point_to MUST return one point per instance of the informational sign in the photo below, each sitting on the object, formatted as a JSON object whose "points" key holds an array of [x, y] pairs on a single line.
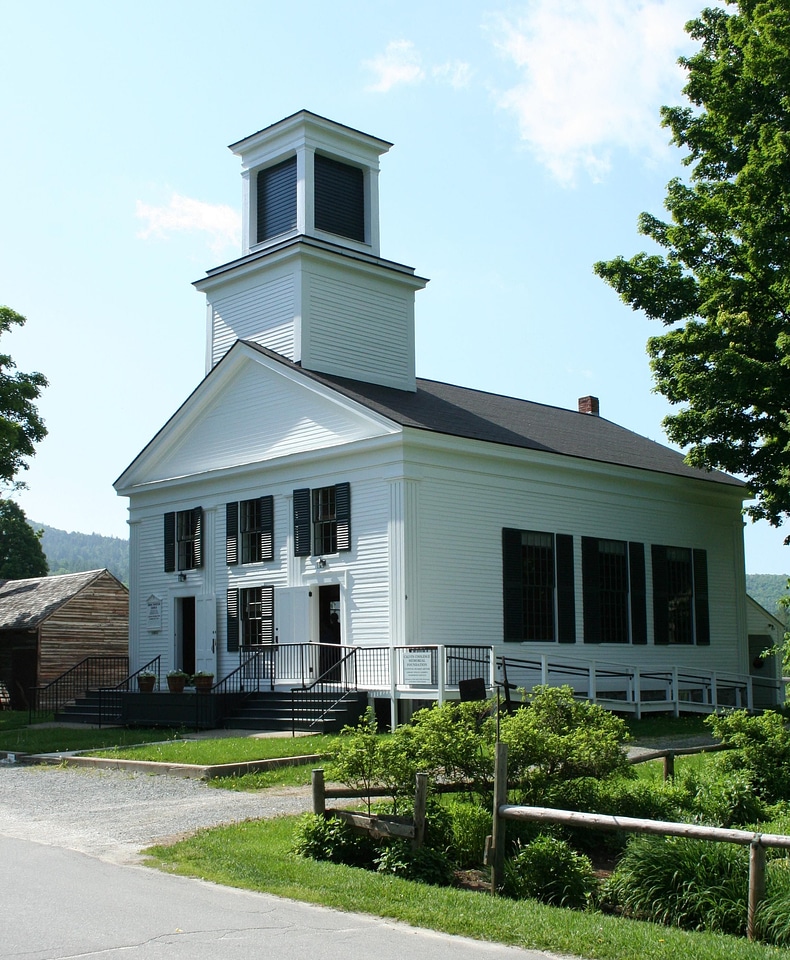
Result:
{"points": [[154, 613], [417, 667]]}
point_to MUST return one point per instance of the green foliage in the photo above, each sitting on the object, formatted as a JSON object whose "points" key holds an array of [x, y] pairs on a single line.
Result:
{"points": [[723, 277], [694, 884], [761, 750], [773, 915], [76, 552], [723, 797], [768, 589], [556, 737], [21, 427], [332, 839], [21, 556], [470, 824], [450, 743], [425, 864], [549, 870]]}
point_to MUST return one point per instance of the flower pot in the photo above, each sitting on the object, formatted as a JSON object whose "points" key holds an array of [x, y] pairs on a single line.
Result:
{"points": [[146, 684], [176, 684], [203, 684]]}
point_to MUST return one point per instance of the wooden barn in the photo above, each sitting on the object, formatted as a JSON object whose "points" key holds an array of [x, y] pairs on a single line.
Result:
{"points": [[49, 624]]}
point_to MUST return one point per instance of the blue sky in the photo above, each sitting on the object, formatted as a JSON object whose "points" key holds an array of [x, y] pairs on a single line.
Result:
{"points": [[526, 142]]}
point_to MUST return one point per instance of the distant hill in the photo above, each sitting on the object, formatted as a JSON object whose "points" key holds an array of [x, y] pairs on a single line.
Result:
{"points": [[766, 589], [75, 552]]}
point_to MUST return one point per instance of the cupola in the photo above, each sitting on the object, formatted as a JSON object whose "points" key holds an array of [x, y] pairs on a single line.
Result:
{"points": [[311, 284]]}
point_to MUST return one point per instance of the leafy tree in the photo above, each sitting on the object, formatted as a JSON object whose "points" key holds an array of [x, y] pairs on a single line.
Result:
{"points": [[723, 280], [20, 424], [21, 554]]}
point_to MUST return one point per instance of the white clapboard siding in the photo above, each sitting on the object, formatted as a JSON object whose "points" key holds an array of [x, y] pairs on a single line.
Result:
{"points": [[264, 313]]}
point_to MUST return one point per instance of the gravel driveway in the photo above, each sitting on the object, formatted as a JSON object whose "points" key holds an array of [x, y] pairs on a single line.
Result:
{"points": [[113, 815]]}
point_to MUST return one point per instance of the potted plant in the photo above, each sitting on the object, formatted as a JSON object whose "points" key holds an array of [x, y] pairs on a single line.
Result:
{"points": [[176, 681], [146, 681], [203, 681]]}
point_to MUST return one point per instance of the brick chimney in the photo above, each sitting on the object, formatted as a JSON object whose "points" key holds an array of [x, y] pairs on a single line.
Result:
{"points": [[588, 405]]}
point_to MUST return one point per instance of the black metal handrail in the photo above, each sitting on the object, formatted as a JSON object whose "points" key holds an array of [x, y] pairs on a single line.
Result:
{"points": [[89, 674], [110, 701], [334, 684]]}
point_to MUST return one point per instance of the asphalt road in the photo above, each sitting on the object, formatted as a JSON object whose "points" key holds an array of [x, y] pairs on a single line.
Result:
{"points": [[70, 887]]}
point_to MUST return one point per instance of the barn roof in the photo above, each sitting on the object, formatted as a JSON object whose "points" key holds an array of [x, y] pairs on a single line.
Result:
{"points": [[25, 604]]}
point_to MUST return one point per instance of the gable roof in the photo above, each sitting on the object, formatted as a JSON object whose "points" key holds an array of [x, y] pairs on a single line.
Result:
{"points": [[25, 604], [476, 415]]}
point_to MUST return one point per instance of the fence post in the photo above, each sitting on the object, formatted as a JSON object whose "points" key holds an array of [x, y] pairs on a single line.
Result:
{"points": [[497, 849], [319, 797], [420, 798], [756, 883], [669, 766]]}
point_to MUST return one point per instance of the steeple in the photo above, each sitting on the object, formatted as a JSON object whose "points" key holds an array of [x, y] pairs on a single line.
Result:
{"points": [[311, 284]]}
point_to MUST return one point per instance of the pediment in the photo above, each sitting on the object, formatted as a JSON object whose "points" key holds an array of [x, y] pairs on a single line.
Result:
{"points": [[250, 409]]}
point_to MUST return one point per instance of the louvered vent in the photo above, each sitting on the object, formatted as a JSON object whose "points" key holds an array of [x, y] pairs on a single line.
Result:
{"points": [[339, 199], [277, 200]]}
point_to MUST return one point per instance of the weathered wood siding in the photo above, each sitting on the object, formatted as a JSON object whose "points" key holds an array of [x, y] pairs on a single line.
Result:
{"points": [[93, 623]]}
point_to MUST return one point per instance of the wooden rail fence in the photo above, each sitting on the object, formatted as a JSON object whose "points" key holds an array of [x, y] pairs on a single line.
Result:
{"points": [[757, 842]]}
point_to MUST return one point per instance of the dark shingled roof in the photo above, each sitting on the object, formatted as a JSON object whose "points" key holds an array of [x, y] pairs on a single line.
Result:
{"points": [[24, 604], [477, 415]]}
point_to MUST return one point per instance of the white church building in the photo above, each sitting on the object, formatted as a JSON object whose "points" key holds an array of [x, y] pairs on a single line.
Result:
{"points": [[313, 495]]}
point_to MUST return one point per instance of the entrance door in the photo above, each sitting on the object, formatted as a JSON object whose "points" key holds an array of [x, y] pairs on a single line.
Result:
{"points": [[329, 630], [185, 634], [206, 635]]}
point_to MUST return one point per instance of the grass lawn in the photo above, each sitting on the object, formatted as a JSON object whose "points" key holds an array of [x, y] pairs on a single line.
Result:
{"points": [[17, 737], [256, 855], [221, 750], [660, 726]]}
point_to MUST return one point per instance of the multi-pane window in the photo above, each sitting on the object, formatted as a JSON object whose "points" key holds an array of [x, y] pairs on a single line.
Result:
{"points": [[249, 526], [322, 520], [539, 602], [680, 595], [183, 548], [250, 616], [613, 574]]}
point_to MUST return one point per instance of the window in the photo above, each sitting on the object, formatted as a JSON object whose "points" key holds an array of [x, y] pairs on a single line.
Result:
{"points": [[183, 547], [322, 520], [539, 602], [339, 198], [680, 595], [250, 615], [249, 524], [613, 574], [276, 211]]}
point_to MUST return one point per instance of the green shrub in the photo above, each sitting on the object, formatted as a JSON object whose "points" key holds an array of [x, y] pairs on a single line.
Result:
{"points": [[694, 884], [549, 870], [557, 737], [425, 864], [724, 797], [761, 750], [470, 824], [773, 915], [332, 839]]}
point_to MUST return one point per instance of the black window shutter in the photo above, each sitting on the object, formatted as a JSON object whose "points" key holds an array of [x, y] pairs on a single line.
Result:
{"points": [[591, 590], [267, 614], [660, 595], [170, 542], [339, 198], [343, 515], [197, 526], [276, 199], [701, 615], [566, 591], [233, 619], [638, 592], [512, 586], [267, 528], [302, 522], [232, 532]]}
